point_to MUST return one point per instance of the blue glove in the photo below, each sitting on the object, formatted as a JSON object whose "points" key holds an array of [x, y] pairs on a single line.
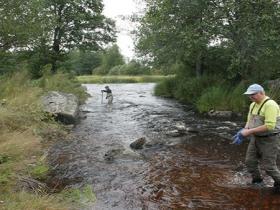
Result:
{"points": [[238, 138]]}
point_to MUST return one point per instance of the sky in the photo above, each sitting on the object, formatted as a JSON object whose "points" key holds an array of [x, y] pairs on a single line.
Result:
{"points": [[115, 9]]}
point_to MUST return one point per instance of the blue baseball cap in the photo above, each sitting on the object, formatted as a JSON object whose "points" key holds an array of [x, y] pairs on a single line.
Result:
{"points": [[254, 88]]}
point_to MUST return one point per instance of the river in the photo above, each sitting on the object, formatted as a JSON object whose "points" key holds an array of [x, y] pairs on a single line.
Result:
{"points": [[186, 163]]}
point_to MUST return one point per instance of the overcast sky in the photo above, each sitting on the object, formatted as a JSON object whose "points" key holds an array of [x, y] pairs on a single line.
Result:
{"points": [[115, 9]]}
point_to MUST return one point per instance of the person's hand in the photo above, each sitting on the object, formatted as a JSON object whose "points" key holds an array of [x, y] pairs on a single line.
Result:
{"points": [[238, 137], [246, 132]]}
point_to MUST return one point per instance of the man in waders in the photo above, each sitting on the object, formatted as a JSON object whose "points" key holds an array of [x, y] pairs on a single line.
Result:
{"points": [[262, 128], [109, 95]]}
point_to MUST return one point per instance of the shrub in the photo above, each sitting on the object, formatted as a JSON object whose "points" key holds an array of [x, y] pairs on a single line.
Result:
{"points": [[213, 98], [237, 101], [65, 82], [223, 98], [166, 88], [189, 89]]}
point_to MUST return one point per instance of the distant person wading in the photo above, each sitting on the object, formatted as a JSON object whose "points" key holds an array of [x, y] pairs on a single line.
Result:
{"points": [[109, 95]]}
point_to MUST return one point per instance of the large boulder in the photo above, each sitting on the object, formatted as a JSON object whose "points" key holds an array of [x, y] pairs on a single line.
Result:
{"points": [[63, 106]]}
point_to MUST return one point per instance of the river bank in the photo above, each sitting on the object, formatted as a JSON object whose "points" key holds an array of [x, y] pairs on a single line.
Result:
{"points": [[26, 133]]}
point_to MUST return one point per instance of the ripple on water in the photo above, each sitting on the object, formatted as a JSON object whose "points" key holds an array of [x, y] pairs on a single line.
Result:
{"points": [[198, 170]]}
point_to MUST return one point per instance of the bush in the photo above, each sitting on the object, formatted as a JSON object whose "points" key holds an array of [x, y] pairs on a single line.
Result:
{"points": [[132, 68], [214, 98], [223, 98], [65, 82], [40, 171], [116, 70], [189, 90], [21, 107], [166, 88], [237, 101]]}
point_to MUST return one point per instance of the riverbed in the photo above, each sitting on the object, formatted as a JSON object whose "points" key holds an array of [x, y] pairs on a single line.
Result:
{"points": [[187, 162]]}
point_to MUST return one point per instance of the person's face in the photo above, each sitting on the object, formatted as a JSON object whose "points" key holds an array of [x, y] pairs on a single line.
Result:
{"points": [[256, 97]]}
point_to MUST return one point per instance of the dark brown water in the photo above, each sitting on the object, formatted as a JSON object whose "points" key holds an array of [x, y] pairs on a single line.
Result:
{"points": [[199, 169]]}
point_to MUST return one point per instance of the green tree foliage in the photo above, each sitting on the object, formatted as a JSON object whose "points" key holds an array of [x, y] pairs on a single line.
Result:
{"points": [[20, 24], [177, 30], [232, 38], [250, 29], [78, 24], [109, 59], [82, 62], [20, 29], [131, 68], [46, 30]]}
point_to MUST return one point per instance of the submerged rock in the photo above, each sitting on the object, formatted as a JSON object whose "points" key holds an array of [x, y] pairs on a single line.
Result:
{"points": [[113, 153], [223, 114], [62, 105], [138, 144], [174, 133]]}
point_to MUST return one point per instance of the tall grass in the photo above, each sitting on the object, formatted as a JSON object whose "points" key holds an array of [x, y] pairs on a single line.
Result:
{"points": [[214, 98], [20, 107], [67, 83], [121, 79], [223, 98], [23, 127], [274, 91], [26, 201], [206, 93], [166, 88]]}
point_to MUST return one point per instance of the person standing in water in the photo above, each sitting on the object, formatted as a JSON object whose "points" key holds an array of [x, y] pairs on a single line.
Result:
{"points": [[263, 129], [109, 95]]}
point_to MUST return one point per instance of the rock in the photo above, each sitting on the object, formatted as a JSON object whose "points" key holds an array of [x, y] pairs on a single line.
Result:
{"points": [[174, 133], [113, 153], [192, 130], [231, 123], [138, 144], [224, 114], [3, 102], [62, 105], [181, 127], [223, 128]]}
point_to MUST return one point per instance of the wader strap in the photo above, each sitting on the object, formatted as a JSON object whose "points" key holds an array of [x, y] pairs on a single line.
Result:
{"points": [[260, 107]]}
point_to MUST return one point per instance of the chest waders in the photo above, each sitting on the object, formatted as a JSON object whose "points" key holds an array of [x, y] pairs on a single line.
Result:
{"points": [[110, 98], [263, 146], [256, 120]]}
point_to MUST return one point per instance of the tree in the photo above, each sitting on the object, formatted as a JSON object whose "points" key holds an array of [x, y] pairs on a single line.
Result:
{"points": [[49, 29], [82, 62], [251, 30], [110, 58], [20, 24], [78, 24], [187, 30], [177, 30]]}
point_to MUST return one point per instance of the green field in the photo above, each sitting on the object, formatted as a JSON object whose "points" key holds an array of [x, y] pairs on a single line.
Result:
{"points": [[121, 79]]}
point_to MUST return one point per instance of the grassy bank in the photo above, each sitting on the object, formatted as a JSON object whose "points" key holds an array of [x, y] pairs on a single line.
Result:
{"points": [[25, 134], [121, 79], [205, 93]]}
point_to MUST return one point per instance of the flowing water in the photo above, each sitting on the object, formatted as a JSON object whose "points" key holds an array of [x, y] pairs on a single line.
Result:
{"points": [[186, 163]]}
